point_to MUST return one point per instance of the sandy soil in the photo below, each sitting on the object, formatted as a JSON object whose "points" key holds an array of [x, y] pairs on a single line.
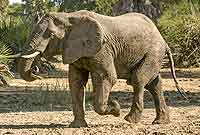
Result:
{"points": [[44, 107]]}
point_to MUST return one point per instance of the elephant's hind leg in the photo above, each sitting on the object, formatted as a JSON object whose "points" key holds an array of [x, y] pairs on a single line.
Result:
{"points": [[162, 112], [77, 81], [142, 73]]}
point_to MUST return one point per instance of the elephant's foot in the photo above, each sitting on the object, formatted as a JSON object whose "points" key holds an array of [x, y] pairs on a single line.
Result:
{"points": [[133, 117], [114, 108], [78, 124], [164, 119]]}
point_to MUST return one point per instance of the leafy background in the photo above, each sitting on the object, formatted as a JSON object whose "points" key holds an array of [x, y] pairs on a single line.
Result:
{"points": [[179, 23]]}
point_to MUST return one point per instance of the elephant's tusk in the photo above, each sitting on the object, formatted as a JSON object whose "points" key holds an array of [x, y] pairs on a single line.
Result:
{"points": [[31, 55], [15, 55]]}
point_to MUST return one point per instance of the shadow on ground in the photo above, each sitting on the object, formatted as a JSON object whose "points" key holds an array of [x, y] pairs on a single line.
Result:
{"points": [[41, 126], [45, 100], [181, 73], [165, 73]]}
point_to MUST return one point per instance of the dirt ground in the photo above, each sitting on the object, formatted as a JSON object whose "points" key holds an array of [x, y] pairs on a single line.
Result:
{"points": [[43, 107]]}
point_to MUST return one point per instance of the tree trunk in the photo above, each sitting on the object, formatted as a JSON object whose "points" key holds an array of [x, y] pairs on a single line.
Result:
{"points": [[150, 8]]}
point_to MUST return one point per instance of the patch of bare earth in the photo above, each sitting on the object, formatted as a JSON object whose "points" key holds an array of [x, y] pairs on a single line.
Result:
{"points": [[44, 108]]}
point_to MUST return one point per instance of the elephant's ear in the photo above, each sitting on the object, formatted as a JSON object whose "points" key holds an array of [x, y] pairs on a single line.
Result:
{"points": [[84, 40]]}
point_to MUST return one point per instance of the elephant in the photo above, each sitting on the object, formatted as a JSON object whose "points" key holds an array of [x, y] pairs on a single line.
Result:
{"points": [[126, 47]]}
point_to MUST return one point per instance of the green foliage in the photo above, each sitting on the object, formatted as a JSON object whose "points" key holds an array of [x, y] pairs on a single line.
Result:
{"points": [[5, 51], [13, 32], [177, 10], [181, 28], [15, 8], [99, 6], [180, 7], [75, 5], [105, 6], [3, 7]]}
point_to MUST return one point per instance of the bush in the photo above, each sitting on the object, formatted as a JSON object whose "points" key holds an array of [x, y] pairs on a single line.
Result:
{"points": [[5, 51], [181, 30], [13, 35], [99, 6], [105, 6], [13, 32]]}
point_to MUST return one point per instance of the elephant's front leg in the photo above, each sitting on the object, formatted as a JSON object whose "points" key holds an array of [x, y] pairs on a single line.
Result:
{"points": [[134, 115], [102, 87], [77, 81]]}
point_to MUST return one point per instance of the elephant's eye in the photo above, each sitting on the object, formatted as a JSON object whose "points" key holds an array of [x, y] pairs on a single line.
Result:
{"points": [[89, 42], [84, 44], [52, 35]]}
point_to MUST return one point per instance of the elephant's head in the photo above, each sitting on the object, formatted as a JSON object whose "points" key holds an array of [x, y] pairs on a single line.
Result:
{"points": [[82, 36]]}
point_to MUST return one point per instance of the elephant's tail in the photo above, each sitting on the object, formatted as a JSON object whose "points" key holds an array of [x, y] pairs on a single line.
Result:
{"points": [[171, 61]]}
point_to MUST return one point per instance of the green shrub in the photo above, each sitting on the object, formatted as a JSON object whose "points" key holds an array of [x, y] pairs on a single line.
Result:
{"points": [[180, 26], [99, 6], [4, 52], [182, 33], [13, 35], [14, 31], [105, 6]]}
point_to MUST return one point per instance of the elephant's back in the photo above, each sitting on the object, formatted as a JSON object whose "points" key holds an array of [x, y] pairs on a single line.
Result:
{"points": [[134, 16], [127, 23], [139, 29], [134, 20], [134, 35]]}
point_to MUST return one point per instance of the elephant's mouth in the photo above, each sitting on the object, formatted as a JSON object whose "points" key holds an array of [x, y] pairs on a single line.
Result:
{"points": [[36, 74], [39, 72], [28, 70], [30, 75]]}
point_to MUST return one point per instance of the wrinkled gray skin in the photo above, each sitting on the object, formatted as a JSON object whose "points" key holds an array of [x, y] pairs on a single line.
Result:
{"points": [[55, 47], [124, 47]]}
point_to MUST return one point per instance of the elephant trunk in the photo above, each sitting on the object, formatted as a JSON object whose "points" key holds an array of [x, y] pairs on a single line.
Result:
{"points": [[24, 68], [25, 62]]}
